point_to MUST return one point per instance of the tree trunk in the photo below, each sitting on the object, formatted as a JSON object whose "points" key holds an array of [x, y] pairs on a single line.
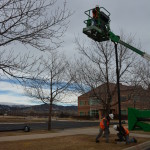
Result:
{"points": [[49, 117], [107, 109]]}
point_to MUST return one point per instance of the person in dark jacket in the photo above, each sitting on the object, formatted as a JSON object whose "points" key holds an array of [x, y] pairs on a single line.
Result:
{"points": [[104, 127], [123, 133]]}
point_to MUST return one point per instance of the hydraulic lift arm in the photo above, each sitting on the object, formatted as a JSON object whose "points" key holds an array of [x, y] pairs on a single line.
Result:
{"points": [[115, 38]]}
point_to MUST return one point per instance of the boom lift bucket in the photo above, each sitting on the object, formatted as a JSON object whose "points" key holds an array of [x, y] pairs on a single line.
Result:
{"points": [[99, 31], [138, 119]]}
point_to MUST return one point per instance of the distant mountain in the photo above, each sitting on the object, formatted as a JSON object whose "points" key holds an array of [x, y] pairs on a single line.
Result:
{"points": [[5, 108], [13, 104], [37, 109], [56, 108]]}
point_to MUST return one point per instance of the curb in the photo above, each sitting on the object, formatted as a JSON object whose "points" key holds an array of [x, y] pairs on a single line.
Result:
{"points": [[143, 146]]}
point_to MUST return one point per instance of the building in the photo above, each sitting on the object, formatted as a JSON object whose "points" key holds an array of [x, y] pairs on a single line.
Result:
{"points": [[131, 96]]}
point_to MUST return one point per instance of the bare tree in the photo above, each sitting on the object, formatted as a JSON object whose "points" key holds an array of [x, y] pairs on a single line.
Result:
{"points": [[141, 82], [97, 67], [38, 23], [142, 74], [51, 83], [17, 66]]}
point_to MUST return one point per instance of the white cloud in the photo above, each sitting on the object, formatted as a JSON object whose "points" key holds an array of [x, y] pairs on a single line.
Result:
{"points": [[12, 93], [12, 87], [16, 100]]}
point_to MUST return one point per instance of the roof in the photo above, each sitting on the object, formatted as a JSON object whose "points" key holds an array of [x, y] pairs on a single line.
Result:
{"points": [[103, 89]]}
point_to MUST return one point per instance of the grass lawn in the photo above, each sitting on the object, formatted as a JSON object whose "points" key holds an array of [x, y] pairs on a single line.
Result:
{"points": [[20, 132], [76, 142], [140, 132], [9, 119]]}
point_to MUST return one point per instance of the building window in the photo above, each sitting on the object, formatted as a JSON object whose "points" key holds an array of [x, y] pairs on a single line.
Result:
{"points": [[129, 96], [88, 102], [94, 113], [123, 98], [94, 102], [124, 112], [82, 113], [136, 98], [82, 103]]}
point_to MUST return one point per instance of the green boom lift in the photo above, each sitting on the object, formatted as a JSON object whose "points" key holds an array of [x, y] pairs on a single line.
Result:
{"points": [[138, 119], [100, 31]]}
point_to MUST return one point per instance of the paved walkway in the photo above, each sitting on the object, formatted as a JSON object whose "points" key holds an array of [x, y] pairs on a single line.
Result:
{"points": [[77, 131]]}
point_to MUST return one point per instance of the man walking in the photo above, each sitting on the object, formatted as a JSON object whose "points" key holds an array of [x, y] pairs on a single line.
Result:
{"points": [[104, 127]]}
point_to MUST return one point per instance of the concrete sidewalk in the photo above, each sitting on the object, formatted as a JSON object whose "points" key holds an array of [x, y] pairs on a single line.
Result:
{"points": [[67, 132]]}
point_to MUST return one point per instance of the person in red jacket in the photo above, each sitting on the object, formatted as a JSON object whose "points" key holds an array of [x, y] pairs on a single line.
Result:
{"points": [[104, 127], [124, 134], [95, 13]]}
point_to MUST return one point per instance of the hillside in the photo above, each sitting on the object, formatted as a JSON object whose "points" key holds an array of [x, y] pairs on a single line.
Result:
{"points": [[37, 109]]}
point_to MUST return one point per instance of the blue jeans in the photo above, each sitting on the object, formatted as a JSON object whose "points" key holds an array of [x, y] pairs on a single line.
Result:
{"points": [[106, 133], [128, 140]]}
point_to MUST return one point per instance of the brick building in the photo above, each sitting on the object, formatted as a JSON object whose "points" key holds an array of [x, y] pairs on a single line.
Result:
{"points": [[131, 96]]}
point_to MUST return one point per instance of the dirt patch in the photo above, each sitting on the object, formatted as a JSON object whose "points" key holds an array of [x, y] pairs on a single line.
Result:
{"points": [[76, 142]]}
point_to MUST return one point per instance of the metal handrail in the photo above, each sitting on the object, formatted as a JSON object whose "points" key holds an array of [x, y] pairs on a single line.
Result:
{"points": [[87, 12], [106, 10]]}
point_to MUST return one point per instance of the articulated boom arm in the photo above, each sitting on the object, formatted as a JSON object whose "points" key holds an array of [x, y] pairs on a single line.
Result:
{"points": [[115, 38]]}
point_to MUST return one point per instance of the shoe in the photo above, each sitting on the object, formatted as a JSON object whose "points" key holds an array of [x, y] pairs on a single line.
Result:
{"points": [[97, 141], [135, 141]]}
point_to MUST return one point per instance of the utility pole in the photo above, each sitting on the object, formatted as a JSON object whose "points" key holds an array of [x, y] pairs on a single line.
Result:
{"points": [[118, 88]]}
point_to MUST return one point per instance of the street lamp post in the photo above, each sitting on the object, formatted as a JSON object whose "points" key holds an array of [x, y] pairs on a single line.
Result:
{"points": [[118, 88]]}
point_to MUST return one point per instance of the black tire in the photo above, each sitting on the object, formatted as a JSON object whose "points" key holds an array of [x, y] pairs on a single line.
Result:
{"points": [[26, 129]]}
